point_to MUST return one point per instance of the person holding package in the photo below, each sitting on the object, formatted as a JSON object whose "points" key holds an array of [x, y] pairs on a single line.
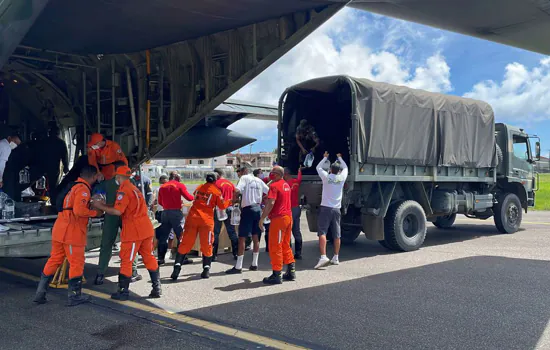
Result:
{"points": [[69, 238], [136, 235]]}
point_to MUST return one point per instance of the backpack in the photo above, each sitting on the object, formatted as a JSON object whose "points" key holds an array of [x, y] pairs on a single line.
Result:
{"points": [[60, 200]]}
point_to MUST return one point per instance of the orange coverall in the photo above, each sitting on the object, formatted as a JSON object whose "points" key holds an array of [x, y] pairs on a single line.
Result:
{"points": [[280, 229], [104, 158], [200, 219], [137, 230], [69, 231]]}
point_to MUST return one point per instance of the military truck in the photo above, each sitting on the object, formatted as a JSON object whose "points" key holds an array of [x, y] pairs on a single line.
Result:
{"points": [[413, 157]]}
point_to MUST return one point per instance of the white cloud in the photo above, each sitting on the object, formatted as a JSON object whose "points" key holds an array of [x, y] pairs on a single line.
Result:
{"points": [[334, 49], [522, 95], [340, 46]]}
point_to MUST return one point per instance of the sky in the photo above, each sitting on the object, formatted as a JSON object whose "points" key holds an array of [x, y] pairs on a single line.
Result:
{"points": [[515, 82]]}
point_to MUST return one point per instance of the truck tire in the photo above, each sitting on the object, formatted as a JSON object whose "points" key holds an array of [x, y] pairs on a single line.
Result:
{"points": [[508, 213], [444, 222], [405, 228], [349, 234]]}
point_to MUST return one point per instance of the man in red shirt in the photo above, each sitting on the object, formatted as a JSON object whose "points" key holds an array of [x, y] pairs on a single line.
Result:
{"points": [[172, 217], [278, 209], [228, 190], [294, 184]]}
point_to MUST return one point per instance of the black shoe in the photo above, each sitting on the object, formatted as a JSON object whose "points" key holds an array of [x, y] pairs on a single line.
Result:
{"points": [[136, 277], [233, 271], [156, 292], [275, 278], [75, 296], [290, 274], [123, 292], [99, 279], [253, 268], [205, 273], [40, 297]]}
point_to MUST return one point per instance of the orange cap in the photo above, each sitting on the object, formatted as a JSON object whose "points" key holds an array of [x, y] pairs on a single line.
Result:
{"points": [[95, 138], [124, 171]]}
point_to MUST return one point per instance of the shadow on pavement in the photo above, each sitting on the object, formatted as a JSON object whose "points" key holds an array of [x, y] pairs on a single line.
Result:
{"points": [[472, 303]]}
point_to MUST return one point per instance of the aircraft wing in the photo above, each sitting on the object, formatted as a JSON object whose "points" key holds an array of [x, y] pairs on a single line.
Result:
{"points": [[521, 23]]}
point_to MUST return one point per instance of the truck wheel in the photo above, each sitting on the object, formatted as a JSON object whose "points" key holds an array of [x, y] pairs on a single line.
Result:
{"points": [[508, 213], [349, 234], [406, 226], [444, 222]]}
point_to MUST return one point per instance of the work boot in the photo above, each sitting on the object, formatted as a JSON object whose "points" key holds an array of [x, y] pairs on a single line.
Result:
{"points": [[290, 274], [136, 276], [298, 250], [275, 278], [123, 292], [75, 292], [99, 279], [206, 262], [180, 258], [40, 297], [156, 292]]}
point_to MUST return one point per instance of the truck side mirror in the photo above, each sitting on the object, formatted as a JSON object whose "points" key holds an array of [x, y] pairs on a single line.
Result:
{"points": [[537, 151]]}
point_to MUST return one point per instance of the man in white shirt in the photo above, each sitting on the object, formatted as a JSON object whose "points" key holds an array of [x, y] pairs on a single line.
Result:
{"points": [[329, 212], [6, 146], [252, 190]]}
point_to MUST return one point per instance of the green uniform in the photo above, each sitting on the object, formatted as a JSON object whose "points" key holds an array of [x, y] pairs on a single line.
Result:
{"points": [[111, 225]]}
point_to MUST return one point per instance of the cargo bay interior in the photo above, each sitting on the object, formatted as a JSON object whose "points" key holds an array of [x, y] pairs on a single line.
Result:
{"points": [[141, 80], [329, 113]]}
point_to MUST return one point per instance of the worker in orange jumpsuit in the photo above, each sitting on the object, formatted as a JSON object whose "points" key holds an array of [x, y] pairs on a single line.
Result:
{"points": [[200, 220], [136, 235], [278, 209], [69, 238], [103, 154]]}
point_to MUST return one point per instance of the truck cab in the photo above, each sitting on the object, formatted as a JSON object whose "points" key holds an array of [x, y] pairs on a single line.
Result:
{"points": [[516, 171]]}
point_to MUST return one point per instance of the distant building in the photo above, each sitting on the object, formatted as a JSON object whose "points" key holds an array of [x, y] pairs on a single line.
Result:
{"points": [[543, 166], [261, 160]]}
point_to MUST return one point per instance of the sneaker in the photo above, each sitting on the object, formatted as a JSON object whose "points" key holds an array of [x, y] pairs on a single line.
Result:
{"points": [[233, 271], [335, 261], [322, 263]]}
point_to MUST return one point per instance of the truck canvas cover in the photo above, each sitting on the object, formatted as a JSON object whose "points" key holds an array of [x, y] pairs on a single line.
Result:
{"points": [[397, 125]]}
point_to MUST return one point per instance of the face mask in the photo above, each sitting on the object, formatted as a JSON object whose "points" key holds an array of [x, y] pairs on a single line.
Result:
{"points": [[95, 147], [262, 176], [272, 177], [13, 145]]}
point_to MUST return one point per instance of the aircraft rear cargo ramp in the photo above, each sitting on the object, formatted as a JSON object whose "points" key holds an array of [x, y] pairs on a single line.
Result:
{"points": [[145, 71]]}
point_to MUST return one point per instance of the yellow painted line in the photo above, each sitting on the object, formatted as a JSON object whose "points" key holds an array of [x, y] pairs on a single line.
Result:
{"points": [[209, 326], [523, 222]]}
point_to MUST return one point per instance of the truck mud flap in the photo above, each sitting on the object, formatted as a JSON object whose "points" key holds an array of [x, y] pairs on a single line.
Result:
{"points": [[16, 18]]}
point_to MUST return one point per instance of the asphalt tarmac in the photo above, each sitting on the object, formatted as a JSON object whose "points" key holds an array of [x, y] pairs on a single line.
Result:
{"points": [[466, 288]]}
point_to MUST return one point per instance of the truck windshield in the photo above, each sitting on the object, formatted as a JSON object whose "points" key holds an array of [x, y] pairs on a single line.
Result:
{"points": [[521, 149]]}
